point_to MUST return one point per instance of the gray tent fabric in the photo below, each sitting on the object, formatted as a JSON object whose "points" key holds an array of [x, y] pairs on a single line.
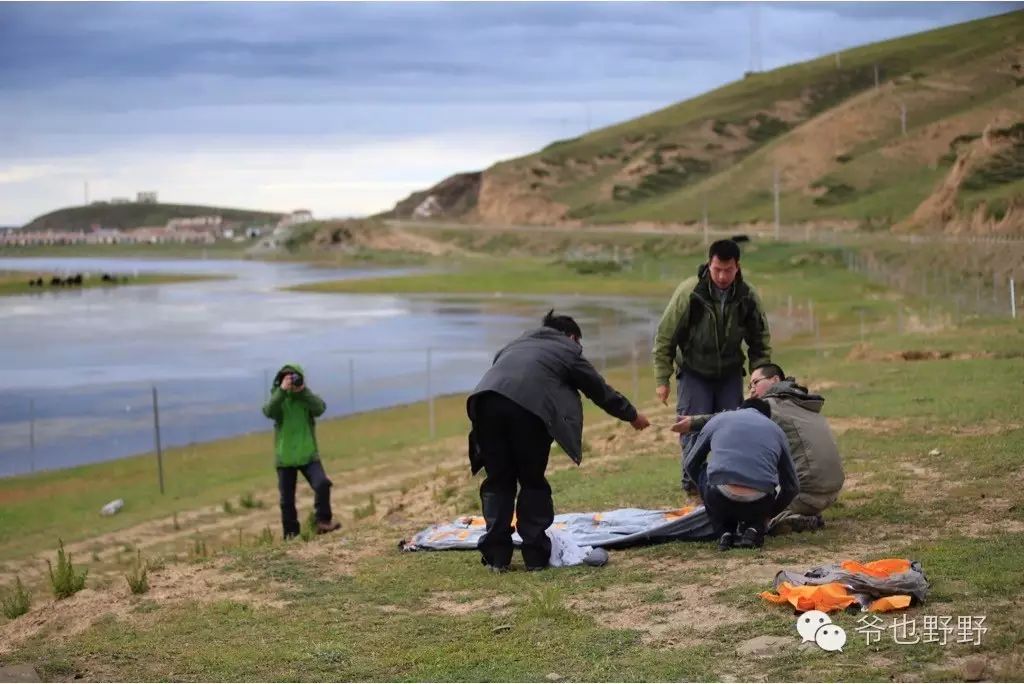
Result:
{"points": [[866, 588], [612, 529]]}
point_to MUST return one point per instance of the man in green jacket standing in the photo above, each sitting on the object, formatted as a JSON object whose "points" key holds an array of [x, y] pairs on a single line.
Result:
{"points": [[700, 335], [294, 408]]}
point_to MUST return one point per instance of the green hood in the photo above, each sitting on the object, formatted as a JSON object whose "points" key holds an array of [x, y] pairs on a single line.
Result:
{"points": [[294, 415], [294, 366]]}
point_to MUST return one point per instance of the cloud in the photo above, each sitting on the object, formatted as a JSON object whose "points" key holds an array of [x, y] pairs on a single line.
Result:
{"points": [[87, 85]]}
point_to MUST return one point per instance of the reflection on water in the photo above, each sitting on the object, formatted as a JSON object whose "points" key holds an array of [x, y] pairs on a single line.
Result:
{"points": [[77, 366]]}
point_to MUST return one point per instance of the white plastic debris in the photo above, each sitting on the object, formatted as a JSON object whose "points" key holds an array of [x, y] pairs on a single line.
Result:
{"points": [[934, 452], [112, 507]]}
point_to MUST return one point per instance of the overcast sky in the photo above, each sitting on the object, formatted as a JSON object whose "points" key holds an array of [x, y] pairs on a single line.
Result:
{"points": [[344, 108]]}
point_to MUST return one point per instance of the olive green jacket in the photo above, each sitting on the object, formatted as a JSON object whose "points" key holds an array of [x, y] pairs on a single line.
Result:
{"points": [[693, 334]]}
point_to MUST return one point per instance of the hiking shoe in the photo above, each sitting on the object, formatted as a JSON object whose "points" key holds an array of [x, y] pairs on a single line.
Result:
{"points": [[750, 539], [325, 526], [498, 569], [536, 568], [806, 523], [726, 541]]}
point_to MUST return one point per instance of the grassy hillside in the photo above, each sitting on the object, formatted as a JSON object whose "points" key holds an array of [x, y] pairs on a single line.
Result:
{"points": [[134, 215], [835, 140]]}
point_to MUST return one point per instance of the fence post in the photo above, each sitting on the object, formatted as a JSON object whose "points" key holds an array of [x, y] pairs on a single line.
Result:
{"points": [[1013, 300], [156, 434], [32, 435], [861, 325], [352, 385], [430, 394]]}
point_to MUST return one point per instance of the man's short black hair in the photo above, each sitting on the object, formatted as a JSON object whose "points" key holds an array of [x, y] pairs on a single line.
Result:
{"points": [[760, 404], [563, 324], [725, 250], [771, 370]]}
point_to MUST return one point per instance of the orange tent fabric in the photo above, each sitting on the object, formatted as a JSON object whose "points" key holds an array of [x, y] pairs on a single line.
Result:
{"points": [[887, 603], [838, 595], [879, 568], [823, 597]]}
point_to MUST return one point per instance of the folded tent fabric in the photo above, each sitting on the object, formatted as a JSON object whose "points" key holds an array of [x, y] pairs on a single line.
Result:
{"points": [[608, 529], [878, 586]]}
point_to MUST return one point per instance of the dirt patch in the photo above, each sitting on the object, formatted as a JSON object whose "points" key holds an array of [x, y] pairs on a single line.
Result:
{"points": [[466, 602], [873, 425], [866, 352], [171, 584], [679, 618]]}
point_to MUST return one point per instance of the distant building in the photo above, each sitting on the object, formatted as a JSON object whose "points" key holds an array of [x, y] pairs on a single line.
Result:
{"points": [[146, 197], [253, 231], [195, 222], [295, 218], [120, 200]]}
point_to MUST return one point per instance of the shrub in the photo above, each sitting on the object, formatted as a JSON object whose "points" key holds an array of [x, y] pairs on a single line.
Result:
{"points": [[65, 579], [16, 601], [138, 580], [199, 549], [248, 501], [266, 537], [365, 511], [309, 529]]}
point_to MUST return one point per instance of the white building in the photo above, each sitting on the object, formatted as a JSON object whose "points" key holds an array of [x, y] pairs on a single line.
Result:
{"points": [[295, 218], [146, 197], [195, 222]]}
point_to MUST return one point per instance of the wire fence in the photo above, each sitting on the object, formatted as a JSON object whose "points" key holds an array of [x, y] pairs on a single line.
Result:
{"points": [[65, 428]]}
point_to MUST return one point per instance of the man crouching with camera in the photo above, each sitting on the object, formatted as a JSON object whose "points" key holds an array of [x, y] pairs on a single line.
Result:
{"points": [[294, 408]]}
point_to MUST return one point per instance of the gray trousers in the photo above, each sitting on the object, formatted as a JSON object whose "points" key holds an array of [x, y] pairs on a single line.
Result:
{"points": [[696, 395]]}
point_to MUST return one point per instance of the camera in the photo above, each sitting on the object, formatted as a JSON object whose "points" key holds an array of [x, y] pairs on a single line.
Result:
{"points": [[296, 379]]}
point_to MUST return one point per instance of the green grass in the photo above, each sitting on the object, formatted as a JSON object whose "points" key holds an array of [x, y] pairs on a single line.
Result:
{"points": [[222, 249], [359, 610], [134, 215], [12, 283]]}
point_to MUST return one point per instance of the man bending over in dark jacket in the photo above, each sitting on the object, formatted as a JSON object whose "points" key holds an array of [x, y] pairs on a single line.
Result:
{"points": [[529, 397], [738, 460]]}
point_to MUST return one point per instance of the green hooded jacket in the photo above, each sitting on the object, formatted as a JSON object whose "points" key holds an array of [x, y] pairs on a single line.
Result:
{"points": [[294, 415], [695, 336]]}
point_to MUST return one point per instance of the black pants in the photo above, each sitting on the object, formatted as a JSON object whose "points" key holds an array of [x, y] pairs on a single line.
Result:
{"points": [[515, 445], [728, 515], [317, 479]]}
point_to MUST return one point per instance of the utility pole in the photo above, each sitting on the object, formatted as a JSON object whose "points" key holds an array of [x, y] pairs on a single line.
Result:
{"points": [[775, 191], [704, 219], [755, 39]]}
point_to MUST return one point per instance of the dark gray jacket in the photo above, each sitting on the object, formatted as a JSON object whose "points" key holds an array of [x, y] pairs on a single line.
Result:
{"points": [[811, 443], [744, 447], [543, 371]]}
